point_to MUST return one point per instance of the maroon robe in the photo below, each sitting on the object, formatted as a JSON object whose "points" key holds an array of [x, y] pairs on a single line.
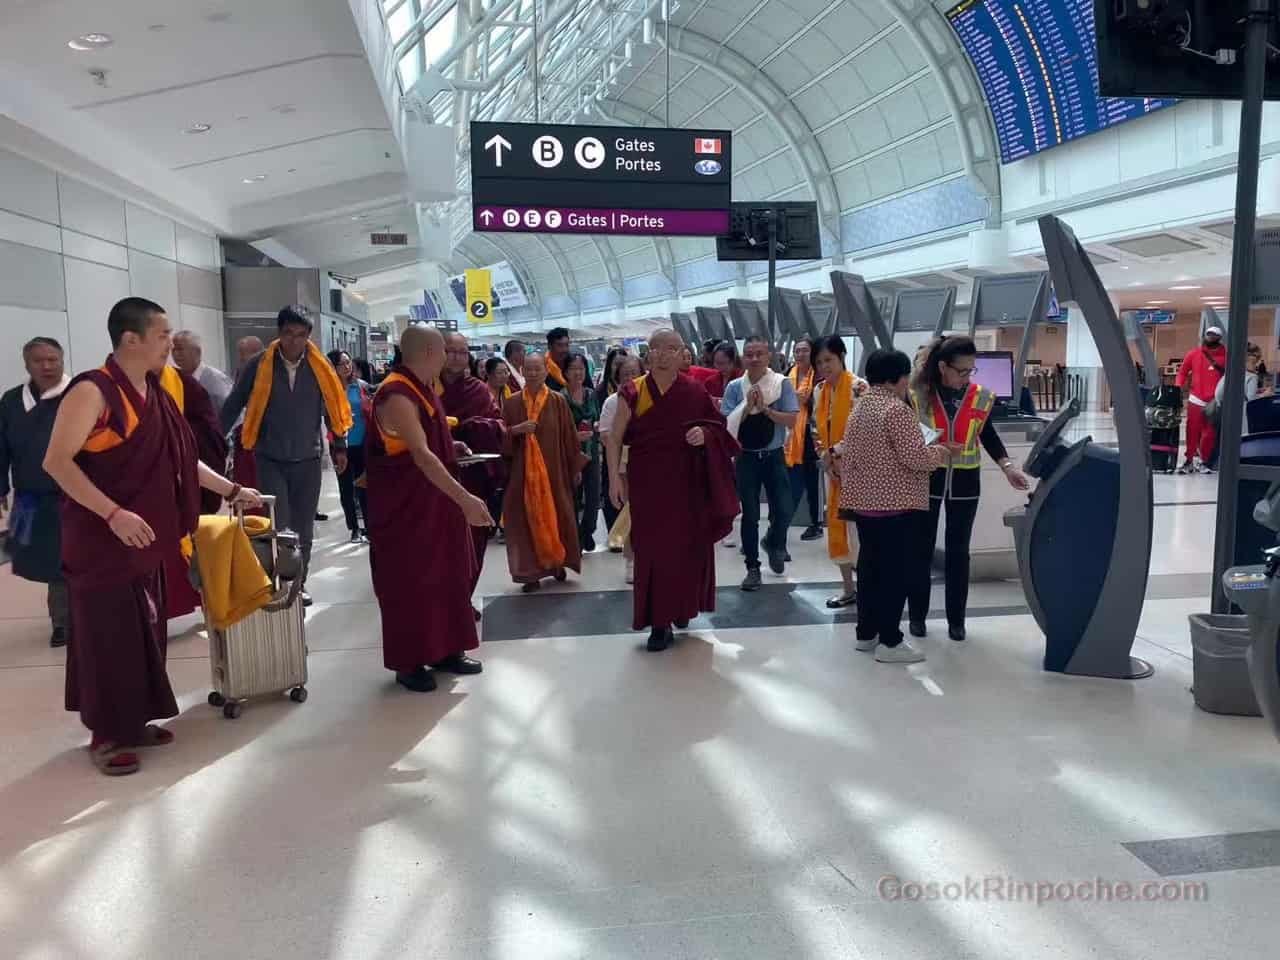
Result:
{"points": [[116, 675], [422, 569], [211, 450], [682, 500], [480, 427]]}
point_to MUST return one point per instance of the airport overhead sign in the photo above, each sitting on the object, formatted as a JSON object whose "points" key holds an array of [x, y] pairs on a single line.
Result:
{"points": [[562, 178]]}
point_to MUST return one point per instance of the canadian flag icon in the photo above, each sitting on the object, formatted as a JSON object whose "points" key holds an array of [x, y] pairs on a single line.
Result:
{"points": [[706, 145]]}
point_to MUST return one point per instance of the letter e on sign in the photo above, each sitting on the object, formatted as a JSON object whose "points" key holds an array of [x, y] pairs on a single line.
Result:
{"points": [[547, 152], [589, 153]]}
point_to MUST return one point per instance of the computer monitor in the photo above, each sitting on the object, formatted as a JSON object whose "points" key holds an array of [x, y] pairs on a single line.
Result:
{"points": [[994, 370]]}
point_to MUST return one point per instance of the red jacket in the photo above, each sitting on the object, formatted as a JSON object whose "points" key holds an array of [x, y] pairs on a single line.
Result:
{"points": [[1204, 367]]}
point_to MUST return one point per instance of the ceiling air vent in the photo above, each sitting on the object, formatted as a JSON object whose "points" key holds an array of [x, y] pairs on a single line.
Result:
{"points": [[1156, 245]]}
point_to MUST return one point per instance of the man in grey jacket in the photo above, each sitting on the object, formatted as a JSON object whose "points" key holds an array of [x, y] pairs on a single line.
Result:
{"points": [[289, 445]]}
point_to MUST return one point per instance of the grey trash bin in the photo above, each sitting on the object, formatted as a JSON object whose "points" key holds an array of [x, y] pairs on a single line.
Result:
{"points": [[1221, 682]]}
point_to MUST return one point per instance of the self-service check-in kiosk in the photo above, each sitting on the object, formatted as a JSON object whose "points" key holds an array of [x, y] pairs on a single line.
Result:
{"points": [[820, 315], [1084, 539], [920, 315], [713, 323], [684, 325], [857, 314]]}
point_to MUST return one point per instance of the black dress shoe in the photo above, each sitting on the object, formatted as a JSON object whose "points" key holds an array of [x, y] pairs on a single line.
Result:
{"points": [[321, 517], [419, 681], [917, 628], [813, 532], [562, 575], [531, 587], [59, 637], [752, 582], [659, 639], [588, 545], [778, 561], [460, 664], [955, 633], [681, 624]]}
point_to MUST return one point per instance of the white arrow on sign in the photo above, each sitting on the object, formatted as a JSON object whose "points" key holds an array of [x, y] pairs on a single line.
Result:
{"points": [[487, 215], [497, 143]]}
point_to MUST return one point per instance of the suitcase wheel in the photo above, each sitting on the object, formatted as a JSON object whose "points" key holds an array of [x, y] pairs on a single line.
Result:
{"points": [[298, 694], [216, 699], [231, 709]]}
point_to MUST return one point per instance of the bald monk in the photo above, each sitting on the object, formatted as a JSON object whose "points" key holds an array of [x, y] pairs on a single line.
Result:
{"points": [[420, 548], [125, 460], [480, 427], [546, 463], [680, 484]]}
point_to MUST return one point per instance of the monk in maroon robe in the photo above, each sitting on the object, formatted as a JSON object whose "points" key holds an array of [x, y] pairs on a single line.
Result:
{"points": [[469, 400], [194, 403], [126, 462], [420, 548], [680, 484]]}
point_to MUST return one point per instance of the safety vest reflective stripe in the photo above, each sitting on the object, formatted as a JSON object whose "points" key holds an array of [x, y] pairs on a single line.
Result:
{"points": [[972, 416]]}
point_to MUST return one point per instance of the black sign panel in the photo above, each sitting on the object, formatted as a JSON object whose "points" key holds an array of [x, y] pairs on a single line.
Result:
{"points": [[561, 178]]}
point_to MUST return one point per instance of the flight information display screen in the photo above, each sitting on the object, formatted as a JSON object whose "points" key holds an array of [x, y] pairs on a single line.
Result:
{"points": [[1037, 62]]}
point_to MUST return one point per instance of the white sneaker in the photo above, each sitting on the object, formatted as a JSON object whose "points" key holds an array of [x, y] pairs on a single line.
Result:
{"points": [[631, 571], [902, 653], [866, 646]]}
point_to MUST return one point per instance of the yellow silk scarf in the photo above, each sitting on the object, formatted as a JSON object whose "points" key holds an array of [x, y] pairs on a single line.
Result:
{"points": [[794, 451], [553, 370], [835, 403], [539, 504], [331, 389]]}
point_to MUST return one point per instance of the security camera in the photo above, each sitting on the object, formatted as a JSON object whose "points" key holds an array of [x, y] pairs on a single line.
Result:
{"points": [[343, 281]]}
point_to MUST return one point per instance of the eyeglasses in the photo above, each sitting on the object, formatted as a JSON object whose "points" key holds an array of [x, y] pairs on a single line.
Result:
{"points": [[962, 371]]}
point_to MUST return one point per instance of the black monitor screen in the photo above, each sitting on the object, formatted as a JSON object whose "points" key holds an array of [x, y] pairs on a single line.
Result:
{"points": [[1007, 301], [993, 369], [796, 226], [1038, 66]]}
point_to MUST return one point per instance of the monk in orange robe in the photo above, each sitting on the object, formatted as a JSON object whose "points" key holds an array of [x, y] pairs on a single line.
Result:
{"points": [[420, 547], [125, 460], [546, 463]]}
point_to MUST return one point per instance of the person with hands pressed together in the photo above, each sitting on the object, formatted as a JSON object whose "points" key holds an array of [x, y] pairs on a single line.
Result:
{"points": [[420, 517], [761, 406], [125, 460]]}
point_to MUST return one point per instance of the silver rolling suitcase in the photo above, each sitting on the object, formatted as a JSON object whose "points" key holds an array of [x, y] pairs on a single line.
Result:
{"points": [[267, 651]]}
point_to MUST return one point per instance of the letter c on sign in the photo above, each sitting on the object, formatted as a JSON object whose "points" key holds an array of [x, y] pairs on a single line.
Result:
{"points": [[589, 153], [547, 152]]}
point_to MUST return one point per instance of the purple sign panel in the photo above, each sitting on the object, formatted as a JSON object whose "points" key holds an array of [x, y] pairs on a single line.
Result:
{"points": [[647, 223]]}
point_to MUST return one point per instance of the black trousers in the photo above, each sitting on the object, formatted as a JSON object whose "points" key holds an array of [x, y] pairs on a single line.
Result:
{"points": [[610, 511], [804, 479], [887, 554], [767, 470], [959, 530], [350, 494], [586, 501]]}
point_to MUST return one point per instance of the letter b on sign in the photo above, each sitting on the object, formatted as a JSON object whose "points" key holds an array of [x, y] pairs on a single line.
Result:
{"points": [[547, 152]]}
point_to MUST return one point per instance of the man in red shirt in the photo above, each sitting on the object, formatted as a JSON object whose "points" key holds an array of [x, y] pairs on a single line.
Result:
{"points": [[1203, 367]]}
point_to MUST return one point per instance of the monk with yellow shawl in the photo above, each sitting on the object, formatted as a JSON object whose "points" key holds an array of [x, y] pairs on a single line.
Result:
{"points": [[800, 454], [284, 392], [835, 395], [546, 464]]}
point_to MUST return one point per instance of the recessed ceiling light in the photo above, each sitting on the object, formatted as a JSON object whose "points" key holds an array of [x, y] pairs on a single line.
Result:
{"points": [[1187, 286], [1157, 303], [156, 27], [198, 128], [90, 41], [359, 216], [258, 178]]}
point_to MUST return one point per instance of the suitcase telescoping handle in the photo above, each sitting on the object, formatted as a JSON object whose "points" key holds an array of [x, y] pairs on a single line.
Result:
{"points": [[269, 502]]}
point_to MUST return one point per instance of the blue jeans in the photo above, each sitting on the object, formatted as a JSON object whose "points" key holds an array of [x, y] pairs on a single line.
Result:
{"points": [[765, 469]]}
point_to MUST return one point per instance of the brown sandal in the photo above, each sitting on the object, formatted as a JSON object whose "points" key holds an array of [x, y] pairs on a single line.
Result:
{"points": [[155, 736], [114, 761]]}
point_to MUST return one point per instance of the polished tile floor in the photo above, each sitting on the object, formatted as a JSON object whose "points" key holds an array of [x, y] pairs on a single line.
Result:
{"points": [[742, 797]]}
